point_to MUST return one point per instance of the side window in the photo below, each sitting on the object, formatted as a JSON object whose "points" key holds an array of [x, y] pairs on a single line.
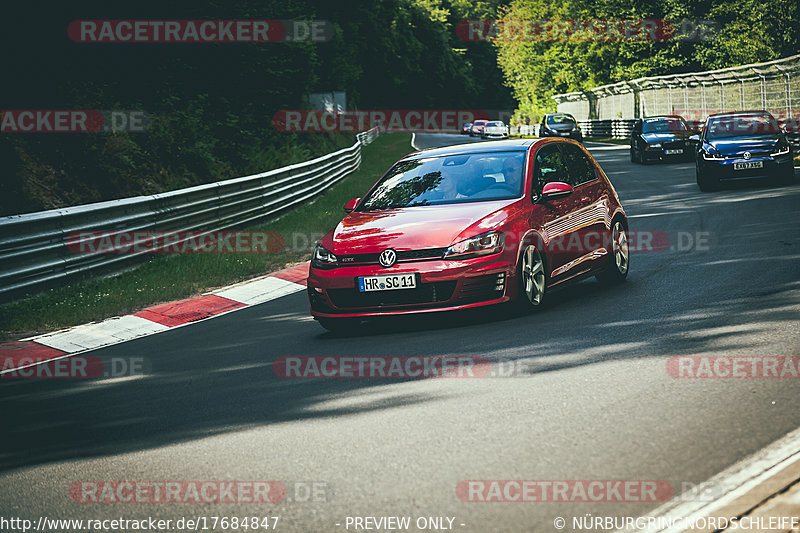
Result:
{"points": [[581, 169], [549, 167]]}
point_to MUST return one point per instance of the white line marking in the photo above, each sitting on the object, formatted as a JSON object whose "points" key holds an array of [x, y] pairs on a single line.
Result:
{"points": [[736, 481], [413, 141]]}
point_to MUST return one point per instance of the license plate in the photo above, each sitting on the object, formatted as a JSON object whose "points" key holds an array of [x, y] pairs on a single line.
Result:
{"points": [[749, 164], [387, 283], [673, 152]]}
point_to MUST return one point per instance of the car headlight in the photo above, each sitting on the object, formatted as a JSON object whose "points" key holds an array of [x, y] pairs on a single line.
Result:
{"points": [[654, 145], [780, 150], [483, 244], [323, 258], [711, 156]]}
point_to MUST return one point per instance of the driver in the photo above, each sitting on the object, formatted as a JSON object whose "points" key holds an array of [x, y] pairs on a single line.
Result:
{"points": [[512, 172]]}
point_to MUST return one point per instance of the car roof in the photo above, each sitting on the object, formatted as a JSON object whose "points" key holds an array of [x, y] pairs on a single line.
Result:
{"points": [[475, 148], [659, 117], [739, 113]]}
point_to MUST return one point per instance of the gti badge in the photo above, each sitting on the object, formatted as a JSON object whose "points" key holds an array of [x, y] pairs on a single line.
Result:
{"points": [[387, 258], [747, 155]]}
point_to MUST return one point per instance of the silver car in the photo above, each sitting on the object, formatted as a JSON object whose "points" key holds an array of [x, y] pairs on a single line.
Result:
{"points": [[495, 130]]}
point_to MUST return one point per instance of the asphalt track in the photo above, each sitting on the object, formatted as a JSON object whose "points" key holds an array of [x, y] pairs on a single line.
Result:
{"points": [[589, 396]]}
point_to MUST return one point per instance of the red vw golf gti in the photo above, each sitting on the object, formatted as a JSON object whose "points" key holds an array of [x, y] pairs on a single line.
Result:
{"points": [[467, 226]]}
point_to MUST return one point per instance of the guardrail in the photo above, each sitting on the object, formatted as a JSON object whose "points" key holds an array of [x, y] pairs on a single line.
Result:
{"points": [[618, 128], [772, 85], [34, 247]]}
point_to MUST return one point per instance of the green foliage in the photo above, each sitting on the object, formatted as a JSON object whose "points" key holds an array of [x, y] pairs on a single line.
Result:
{"points": [[747, 31], [212, 104]]}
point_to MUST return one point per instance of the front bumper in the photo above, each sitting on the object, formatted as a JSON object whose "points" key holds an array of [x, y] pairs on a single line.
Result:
{"points": [[441, 286], [723, 169], [659, 154], [574, 134]]}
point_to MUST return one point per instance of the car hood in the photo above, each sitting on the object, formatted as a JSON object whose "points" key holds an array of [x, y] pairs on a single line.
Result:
{"points": [[736, 145], [665, 136], [415, 228]]}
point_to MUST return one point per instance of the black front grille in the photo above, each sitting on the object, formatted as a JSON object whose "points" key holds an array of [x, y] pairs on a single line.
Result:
{"points": [[412, 255], [673, 145], [402, 255], [425, 293], [752, 155], [358, 259]]}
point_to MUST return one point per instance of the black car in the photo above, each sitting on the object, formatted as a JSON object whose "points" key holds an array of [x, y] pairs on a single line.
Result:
{"points": [[560, 125], [742, 145], [663, 138]]}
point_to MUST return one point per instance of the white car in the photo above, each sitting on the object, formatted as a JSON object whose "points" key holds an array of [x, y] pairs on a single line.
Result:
{"points": [[495, 130]]}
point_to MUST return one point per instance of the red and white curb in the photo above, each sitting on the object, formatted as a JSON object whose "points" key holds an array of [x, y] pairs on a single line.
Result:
{"points": [[151, 320]]}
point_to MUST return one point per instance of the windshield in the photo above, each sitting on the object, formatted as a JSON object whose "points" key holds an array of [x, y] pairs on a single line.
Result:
{"points": [[494, 124], [741, 126], [664, 125], [554, 120], [447, 180]]}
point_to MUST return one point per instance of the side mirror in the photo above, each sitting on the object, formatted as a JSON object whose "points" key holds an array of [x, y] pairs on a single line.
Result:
{"points": [[556, 190], [694, 138], [350, 205]]}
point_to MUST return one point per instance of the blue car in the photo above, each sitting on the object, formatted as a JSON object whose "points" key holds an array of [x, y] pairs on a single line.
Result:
{"points": [[742, 145]]}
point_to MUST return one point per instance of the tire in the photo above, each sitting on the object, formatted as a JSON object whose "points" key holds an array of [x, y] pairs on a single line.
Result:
{"points": [[619, 263], [532, 279], [339, 325], [633, 156], [787, 176], [705, 183]]}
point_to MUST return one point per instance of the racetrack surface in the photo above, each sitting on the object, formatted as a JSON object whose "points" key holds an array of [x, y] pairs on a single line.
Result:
{"points": [[590, 399]]}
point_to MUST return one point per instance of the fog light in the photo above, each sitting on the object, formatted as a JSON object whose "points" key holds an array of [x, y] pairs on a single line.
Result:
{"points": [[500, 283]]}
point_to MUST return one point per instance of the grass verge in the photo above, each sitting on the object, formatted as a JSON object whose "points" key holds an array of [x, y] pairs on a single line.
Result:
{"points": [[166, 278]]}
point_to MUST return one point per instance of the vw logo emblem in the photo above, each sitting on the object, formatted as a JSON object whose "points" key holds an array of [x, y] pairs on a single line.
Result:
{"points": [[747, 155], [387, 258]]}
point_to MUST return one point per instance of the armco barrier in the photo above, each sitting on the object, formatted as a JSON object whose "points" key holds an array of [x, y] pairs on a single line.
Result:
{"points": [[772, 85], [34, 247]]}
